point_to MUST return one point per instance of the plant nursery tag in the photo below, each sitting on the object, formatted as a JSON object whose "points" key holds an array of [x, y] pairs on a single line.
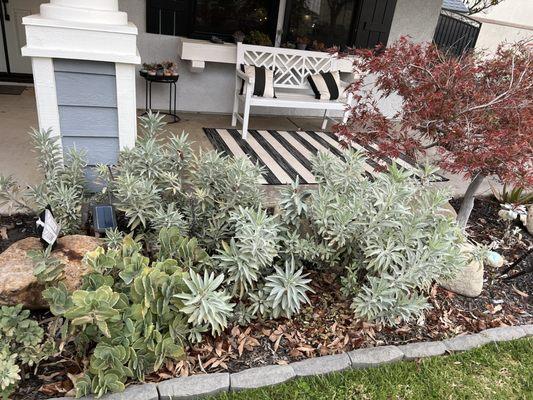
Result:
{"points": [[49, 226]]}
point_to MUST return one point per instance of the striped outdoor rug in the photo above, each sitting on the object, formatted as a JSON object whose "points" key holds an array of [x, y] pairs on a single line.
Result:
{"points": [[287, 154]]}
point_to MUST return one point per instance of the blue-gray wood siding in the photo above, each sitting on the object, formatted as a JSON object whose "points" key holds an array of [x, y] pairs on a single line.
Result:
{"points": [[87, 100]]}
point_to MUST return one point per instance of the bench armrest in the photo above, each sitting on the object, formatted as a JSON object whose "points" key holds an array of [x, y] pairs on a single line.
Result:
{"points": [[245, 77]]}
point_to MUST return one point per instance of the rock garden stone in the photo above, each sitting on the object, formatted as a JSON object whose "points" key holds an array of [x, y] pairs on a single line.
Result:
{"points": [[466, 342], [322, 365], [495, 260], [375, 356], [448, 210], [504, 333], [262, 376], [469, 281], [18, 285], [413, 351], [194, 387]]}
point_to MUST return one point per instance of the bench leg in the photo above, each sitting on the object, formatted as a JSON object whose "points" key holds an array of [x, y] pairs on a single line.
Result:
{"points": [[325, 121], [246, 117], [346, 116], [235, 110]]}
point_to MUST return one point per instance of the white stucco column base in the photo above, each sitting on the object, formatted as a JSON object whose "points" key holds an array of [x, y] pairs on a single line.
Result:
{"points": [[90, 30]]}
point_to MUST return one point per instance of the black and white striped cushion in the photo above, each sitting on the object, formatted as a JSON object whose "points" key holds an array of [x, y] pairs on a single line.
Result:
{"points": [[326, 85], [263, 80]]}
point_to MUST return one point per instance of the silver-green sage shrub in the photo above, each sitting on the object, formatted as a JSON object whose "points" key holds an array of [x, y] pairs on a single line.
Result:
{"points": [[62, 186], [390, 235]]}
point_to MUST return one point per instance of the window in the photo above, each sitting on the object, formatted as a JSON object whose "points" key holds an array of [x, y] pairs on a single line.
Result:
{"points": [[314, 24], [319, 24], [206, 18]]}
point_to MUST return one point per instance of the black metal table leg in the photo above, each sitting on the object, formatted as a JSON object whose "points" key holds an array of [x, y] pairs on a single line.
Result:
{"points": [[172, 103]]}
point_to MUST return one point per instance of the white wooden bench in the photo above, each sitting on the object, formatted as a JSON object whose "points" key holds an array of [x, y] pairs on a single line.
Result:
{"points": [[291, 68]]}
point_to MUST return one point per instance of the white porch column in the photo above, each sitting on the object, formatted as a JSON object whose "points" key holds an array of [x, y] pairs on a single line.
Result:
{"points": [[84, 55]]}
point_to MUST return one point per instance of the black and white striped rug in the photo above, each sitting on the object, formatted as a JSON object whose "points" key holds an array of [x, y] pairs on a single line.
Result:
{"points": [[287, 154]]}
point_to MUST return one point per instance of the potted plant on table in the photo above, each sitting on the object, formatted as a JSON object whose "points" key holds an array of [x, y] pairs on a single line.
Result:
{"points": [[147, 69], [170, 68]]}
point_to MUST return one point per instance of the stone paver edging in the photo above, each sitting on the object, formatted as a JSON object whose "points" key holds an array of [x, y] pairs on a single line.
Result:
{"points": [[198, 386]]}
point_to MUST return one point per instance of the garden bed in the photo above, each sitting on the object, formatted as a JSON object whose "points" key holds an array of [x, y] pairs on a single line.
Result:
{"points": [[327, 325]]}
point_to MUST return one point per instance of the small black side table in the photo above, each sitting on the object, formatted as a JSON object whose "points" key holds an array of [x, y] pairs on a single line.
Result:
{"points": [[171, 81]]}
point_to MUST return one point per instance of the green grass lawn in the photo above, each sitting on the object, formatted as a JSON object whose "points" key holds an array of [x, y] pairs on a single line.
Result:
{"points": [[495, 371]]}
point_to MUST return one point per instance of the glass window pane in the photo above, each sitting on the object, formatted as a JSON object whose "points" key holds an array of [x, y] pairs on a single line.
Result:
{"points": [[225, 17], [320, 23]]}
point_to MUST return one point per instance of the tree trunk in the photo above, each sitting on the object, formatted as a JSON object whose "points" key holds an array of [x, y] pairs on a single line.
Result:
{"points": [[468, 201]]}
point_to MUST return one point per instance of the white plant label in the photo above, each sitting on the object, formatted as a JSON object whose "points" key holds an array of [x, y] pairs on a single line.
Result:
{"points": [[50, 227]]}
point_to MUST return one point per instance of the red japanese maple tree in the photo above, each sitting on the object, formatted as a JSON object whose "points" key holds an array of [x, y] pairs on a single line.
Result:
{"points": [[476, 110]]}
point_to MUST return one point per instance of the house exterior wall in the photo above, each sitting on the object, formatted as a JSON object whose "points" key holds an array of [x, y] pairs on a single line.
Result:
{"points": [[87, 105], [207, 91], [510, 21], [211, 90]]}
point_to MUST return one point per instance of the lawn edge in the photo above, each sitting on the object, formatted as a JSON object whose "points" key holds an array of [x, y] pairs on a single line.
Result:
{"points": [[198, 386]]}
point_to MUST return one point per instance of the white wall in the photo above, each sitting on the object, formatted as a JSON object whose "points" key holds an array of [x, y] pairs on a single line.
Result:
{"points": [[212, 89], [208, 91], [509, 21]]}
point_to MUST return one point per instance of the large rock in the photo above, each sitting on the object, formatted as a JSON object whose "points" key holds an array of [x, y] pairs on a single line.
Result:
{"points": [[469, 281], [18, 285], [448, 211]]}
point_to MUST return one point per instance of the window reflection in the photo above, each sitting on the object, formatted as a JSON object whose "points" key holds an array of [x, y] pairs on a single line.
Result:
{"points": [[318, 24], [224, 17]]}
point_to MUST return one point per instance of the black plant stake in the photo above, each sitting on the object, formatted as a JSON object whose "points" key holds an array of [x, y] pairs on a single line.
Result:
{"points": [[528, 257]]}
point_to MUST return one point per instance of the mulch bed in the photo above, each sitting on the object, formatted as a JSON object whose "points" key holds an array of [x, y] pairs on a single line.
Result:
{"points": [[14, 228], [327, 326]]}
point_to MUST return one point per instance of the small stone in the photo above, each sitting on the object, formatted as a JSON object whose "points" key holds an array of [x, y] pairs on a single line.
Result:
{"points": [[194, 387], [18, 285], [495, 260], [322, 365], [503, 334], [466, 342], [469, 281], [375, 356], [261, 376], [424, 349]]}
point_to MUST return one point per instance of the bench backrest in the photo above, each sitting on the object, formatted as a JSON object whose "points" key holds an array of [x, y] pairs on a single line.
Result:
{"points": [[291, 67]]}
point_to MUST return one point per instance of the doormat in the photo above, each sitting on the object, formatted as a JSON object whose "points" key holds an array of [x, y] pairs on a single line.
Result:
{"points": [[284, 155], [12, 89]]}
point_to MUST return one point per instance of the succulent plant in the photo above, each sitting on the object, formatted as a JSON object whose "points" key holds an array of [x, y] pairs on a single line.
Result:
{"points": [[204, 303], [287, 290]]}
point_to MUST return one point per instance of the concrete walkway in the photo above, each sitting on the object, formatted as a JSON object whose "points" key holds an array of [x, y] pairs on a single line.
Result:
{"points": [[18, 115]]}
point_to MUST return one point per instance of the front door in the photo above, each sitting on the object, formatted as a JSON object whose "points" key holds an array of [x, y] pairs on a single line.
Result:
{"points": [[13, 36]]}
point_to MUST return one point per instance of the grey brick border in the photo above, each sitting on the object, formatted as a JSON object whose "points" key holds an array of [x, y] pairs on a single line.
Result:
{"points": [[198, 386]]}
